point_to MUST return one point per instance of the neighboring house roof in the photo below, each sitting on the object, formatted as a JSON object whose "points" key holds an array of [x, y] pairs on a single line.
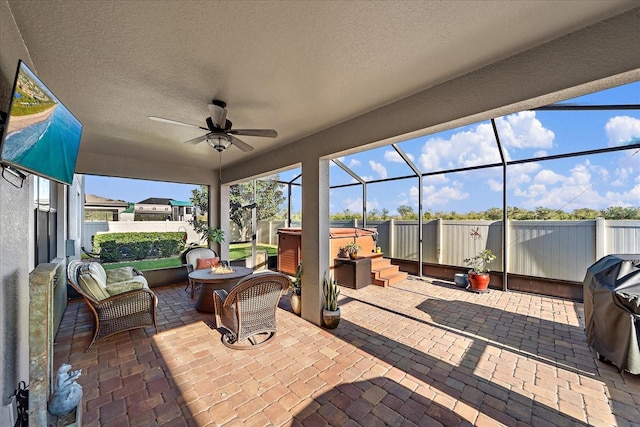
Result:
{"points": [[163, 201], [93, 200], [130, 209], [155, 201]]}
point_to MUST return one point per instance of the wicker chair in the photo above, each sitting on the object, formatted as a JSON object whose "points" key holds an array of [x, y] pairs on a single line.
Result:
{"points": [[191, 258], [130, 309], [248, 311]]}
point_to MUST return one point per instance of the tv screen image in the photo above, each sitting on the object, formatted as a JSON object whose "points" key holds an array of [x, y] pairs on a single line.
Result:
{"points": [[41, 135]]}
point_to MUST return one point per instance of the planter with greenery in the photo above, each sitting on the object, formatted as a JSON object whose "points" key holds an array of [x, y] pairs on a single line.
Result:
{"points": [[331, 310], [352, 249], [296, 291], [478, 264]]}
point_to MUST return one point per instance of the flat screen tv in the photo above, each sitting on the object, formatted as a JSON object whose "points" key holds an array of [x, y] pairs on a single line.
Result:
{"points": [[40, 134]]}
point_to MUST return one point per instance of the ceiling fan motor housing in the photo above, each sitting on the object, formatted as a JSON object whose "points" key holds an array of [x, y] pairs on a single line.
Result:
{"points": [[212, 127]]}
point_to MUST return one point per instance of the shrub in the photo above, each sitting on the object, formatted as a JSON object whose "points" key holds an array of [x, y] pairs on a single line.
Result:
{"points": [[114, 247]]}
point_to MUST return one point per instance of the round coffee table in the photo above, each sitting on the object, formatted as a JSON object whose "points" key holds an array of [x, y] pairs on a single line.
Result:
{"points": [[211, 282]]}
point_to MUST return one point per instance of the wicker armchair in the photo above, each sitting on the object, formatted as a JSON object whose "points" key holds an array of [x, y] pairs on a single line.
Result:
{"points": [[191, 258], [248, 311], [120, 309]]}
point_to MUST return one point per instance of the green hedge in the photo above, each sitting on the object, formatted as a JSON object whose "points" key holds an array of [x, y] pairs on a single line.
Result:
{"points": [[114, 247]]}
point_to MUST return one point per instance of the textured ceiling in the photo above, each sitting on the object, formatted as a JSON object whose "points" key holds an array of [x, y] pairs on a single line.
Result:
{"points": [[298, 67]]}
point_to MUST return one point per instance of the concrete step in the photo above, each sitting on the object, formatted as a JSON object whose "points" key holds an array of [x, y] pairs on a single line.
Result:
{"points": [[383, 271], [391, 280]]}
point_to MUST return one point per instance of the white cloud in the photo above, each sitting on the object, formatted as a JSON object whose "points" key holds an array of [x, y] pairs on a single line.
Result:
{"points": [[393, 156], [378, 168], [495, 185], [435, 179], [524, 130], [520, 174], [621, 129], [354, 163], [547, 176], [477, 145], [340, 159], [628, 198], [556, 191], [354, 205], [541, 153], [443, 196]]}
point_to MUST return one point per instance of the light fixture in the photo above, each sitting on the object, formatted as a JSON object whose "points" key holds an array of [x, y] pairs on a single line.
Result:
{"points": [[219, 142]]}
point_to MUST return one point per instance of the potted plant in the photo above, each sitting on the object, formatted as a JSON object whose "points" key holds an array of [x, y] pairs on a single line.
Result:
{"points": [[479, 272], [352, 249], [331, 311], [296, 291]]}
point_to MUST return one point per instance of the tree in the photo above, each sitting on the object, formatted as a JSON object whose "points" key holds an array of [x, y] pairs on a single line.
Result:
{"points": [[406, 212], [200, 199], [268, 198]]}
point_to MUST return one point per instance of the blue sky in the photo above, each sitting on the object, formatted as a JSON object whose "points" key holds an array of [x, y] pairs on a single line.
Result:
{"points": [[595, 181]]}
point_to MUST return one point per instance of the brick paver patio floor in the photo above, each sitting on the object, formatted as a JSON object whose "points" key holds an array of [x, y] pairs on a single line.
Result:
{"points": [[422, 352]]}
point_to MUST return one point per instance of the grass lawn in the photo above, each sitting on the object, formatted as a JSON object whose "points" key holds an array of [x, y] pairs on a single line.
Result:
{"points": [[236, 251]]}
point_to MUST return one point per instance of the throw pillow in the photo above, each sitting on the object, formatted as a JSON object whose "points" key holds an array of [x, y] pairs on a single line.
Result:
{"points": [[207, 262], [118, 288], [119, 274]]}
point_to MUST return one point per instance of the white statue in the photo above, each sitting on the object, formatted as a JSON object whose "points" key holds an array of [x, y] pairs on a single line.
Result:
{"points": [[67, 392]]}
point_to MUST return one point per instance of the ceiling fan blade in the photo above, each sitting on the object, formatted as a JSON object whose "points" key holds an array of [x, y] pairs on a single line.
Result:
{"points": [[197, 140], [175, 122], [240, 144], [268, 133]]}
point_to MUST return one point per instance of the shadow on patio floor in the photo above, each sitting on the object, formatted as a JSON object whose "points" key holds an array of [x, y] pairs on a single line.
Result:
{"points": [[406, 354]]}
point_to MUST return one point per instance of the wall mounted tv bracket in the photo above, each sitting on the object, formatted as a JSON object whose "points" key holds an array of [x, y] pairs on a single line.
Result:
{"points": [[15, 173]]}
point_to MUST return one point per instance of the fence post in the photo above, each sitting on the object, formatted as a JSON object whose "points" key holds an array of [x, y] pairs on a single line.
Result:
{"points": [[392, 238], [439, 240], [601, 238]]}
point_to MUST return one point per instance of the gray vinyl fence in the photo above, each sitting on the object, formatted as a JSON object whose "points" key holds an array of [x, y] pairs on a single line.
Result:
{"points": [[552, 249], [560, 250]]}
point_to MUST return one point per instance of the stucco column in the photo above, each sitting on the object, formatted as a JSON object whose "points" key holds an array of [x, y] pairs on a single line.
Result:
{"points": [[315, 236], [223, 209]]}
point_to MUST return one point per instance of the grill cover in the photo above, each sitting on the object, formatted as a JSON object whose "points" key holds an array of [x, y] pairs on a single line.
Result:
{"points": [[612, 310]]}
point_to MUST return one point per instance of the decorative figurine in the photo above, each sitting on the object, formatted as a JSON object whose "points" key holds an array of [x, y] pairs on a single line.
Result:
{"points": [[67, 392]]}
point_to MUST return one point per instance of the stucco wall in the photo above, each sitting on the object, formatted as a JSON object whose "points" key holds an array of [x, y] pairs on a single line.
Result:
{"points": [[15, 220]]}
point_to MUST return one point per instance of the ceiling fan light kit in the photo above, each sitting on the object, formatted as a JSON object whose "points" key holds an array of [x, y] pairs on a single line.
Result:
{"points": [[221, 135], [219, 142]]}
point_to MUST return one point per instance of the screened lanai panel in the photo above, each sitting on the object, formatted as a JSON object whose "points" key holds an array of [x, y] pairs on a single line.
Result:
{"points": [[463, 147], [555, 133], [554, 205], [397, 198], [372, 165], [580, 187]]}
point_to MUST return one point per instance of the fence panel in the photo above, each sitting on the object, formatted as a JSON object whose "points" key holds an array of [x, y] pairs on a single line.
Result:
{"points": [[553, 249], [406, 240], [622, 237], [90, 229]]}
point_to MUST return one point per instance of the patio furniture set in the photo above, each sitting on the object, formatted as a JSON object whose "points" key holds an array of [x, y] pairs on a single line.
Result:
{"points": [[243, 303]]}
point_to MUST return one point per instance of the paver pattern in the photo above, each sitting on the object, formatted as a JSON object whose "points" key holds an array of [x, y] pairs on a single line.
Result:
{"points": [[420, 353]]}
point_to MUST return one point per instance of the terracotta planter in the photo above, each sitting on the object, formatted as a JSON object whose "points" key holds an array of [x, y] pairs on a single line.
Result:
{"points": [[296, 303], [330, 319], [479, 282]]}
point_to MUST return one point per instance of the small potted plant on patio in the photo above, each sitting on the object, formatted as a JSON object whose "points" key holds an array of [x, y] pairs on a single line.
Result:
{"points": [[296, 291], [331, 311], [478, 264], [352, 249]]}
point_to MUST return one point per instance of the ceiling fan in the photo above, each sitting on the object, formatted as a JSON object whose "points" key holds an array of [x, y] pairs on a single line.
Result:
{"points": [[220, 134]]}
